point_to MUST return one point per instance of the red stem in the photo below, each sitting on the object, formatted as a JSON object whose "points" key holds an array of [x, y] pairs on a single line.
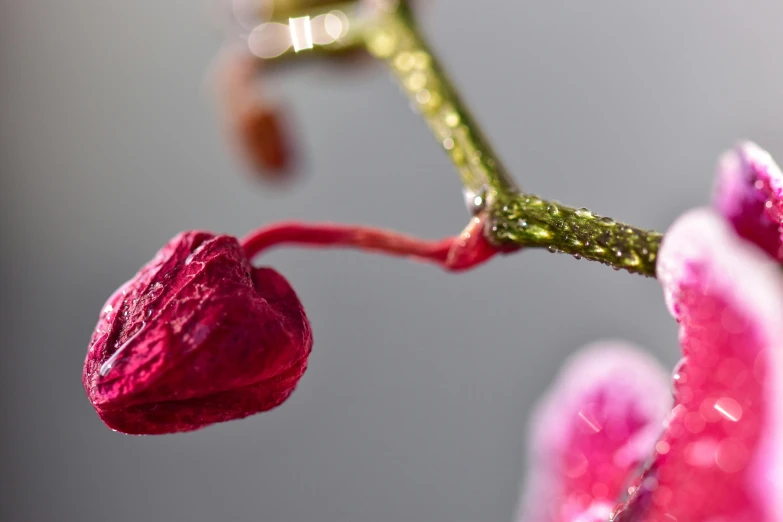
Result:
{"points": [[453, 253], [346, 236]]}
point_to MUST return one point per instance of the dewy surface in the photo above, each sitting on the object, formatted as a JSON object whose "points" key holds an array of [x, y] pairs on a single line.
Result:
{"points": [[531, 221], [518, 219], [395, 39], [592, 431], [749, 193], [718, 454]]}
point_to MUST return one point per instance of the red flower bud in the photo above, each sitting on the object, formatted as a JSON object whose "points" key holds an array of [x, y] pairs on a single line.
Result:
{"points": [[198, 336]]}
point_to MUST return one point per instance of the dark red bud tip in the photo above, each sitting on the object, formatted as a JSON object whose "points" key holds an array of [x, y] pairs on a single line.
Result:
{"points": [[198, 336]]}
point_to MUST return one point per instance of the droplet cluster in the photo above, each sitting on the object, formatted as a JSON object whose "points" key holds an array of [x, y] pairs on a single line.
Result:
{"points": [[715, 425], [528, 220], [517, 219], [773, 208]]}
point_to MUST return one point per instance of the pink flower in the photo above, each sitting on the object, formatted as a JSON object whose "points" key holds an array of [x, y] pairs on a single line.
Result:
{"points": [[593, 429], [749, 193], [719, 455]]}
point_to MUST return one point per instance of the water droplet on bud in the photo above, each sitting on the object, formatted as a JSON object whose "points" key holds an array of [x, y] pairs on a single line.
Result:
{"points": [[107, 366]]}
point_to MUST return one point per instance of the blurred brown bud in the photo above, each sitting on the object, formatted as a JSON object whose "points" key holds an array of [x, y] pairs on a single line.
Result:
{"points": [[261, 137], [254, 125]]}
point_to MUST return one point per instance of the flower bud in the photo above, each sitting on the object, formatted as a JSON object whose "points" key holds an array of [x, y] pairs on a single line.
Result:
{"points": [[198, 336]]}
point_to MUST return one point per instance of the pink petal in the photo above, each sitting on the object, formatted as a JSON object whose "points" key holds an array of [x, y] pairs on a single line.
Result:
{"points": [[594, 427], [597, 512], [721, 455], [749, 193]]}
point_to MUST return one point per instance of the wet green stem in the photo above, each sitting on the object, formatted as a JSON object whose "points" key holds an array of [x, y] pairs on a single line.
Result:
{"points": [[515, 218], [523, 219]]}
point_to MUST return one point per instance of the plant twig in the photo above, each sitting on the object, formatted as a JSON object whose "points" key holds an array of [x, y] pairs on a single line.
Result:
{"points": [[515, 218]]}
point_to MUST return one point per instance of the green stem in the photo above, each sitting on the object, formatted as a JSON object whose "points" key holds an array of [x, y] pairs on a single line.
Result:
{"points": [[515, 218], [395, 38], [523, 219]]}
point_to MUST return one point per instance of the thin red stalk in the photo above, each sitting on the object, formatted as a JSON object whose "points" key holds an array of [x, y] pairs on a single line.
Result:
{"points": [[347, 236]]}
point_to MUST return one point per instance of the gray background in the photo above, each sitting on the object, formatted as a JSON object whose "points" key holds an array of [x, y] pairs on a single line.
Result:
{"points": [[415, 404]]}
